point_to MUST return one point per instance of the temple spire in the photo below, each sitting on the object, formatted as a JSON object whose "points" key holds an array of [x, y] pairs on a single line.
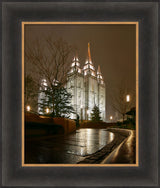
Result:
{"points": [[99, 70], [89, 53], [99, 76], [88, 67], [75, 66]]}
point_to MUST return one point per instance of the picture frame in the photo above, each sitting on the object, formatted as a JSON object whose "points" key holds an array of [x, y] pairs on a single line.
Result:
{"points": [[13, 174]]}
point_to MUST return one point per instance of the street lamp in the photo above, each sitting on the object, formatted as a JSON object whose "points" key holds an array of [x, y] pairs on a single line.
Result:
{"points": [[28, 108], [111, 117], [127, 98]]}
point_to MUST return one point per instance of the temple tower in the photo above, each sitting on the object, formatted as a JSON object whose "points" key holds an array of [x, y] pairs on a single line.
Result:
{"points": [[75, 86], [101, 93], [91, 86]]}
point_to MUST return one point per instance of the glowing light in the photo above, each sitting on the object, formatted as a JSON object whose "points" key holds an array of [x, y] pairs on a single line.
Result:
{"points": [[111, 136], [28, 108], [86, 62], [73, 64], [47, 110], [91, 67], [127, 98], [111, 117], [92, 74], [87, 111], [44, 82]]}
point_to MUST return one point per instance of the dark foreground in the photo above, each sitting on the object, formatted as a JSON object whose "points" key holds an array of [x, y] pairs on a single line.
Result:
{"points": [[70, 149]]}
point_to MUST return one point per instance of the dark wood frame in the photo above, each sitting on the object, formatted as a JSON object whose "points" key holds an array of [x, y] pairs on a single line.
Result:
{"points": [[146, 13]]}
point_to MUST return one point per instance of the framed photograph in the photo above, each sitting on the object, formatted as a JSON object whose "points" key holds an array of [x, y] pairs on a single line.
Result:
{"points": [[80, 94], [76, 106]]}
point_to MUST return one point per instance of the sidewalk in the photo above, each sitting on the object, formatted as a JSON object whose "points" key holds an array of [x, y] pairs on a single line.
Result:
{"points": [[125, 153]]}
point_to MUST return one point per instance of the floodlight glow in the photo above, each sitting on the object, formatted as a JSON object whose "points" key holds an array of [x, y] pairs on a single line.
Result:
{"points": [[28, 108], [47, 110]]}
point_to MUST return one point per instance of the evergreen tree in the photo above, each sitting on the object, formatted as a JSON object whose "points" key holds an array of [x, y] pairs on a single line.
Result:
{"points": [[61, 106], [62, 103], [95, 115]]}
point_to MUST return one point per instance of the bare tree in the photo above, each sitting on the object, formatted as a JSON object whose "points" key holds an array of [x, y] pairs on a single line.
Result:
{"points": [[118, 99], [30, 92], [48, 59]]}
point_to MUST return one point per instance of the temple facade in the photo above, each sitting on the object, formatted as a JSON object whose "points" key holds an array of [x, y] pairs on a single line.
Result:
{"points": [[86, 86]]}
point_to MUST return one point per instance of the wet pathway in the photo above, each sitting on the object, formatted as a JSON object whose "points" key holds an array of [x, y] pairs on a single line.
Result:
{"points": [[68, 149], [125, 153]]}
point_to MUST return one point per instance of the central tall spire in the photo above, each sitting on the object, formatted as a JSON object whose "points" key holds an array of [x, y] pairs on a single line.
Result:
{"points": [[88, 67], [89, 53]]}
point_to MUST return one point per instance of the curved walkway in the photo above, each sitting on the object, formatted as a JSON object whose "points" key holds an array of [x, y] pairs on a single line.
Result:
{"points": [[120, 151], [125, 152]]}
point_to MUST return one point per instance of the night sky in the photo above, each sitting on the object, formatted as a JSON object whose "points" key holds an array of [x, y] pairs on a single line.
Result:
{"points": [[113, 47]]}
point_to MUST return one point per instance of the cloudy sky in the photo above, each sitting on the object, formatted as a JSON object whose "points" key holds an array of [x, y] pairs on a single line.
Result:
{"points": [[113, 47]]}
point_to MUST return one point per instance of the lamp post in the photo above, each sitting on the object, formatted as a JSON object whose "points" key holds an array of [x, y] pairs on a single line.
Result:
{"points": [[111, 118], [127, 98]]}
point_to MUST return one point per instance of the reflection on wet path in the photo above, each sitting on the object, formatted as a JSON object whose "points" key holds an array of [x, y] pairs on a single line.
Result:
{"points": [[67, 149]]}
